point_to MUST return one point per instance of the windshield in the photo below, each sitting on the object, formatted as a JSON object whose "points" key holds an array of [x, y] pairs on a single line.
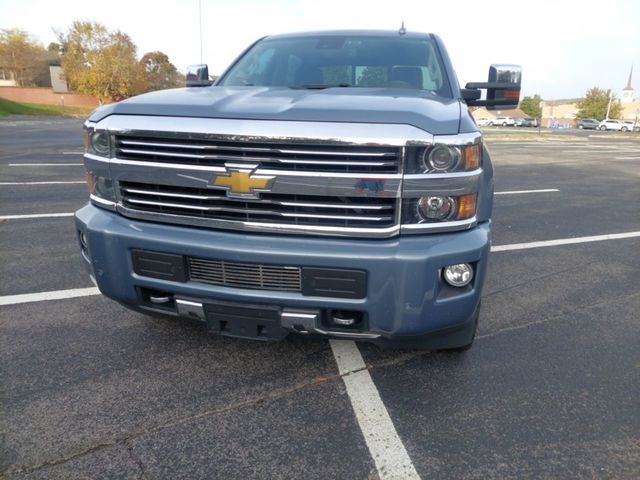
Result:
{"points": [[341, 61]]}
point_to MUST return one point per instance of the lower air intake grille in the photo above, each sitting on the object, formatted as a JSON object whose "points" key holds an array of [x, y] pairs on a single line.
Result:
{"points": [[245, 275]]}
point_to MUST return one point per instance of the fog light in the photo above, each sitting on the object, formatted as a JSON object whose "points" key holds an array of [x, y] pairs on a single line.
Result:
{"points": [[458, 275], [436, 208]]}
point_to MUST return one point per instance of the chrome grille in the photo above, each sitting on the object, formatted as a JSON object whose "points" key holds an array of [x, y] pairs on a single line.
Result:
{"points": [[245, 275], [271, 207], [290, 157]]}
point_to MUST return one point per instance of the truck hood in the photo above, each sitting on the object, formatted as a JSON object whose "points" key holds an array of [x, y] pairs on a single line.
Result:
{"points": [[436, 115]]}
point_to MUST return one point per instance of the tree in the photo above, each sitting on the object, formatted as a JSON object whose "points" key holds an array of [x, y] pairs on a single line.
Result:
{"points": [[20, 55], [373, 77], [531, 106], [594, 104], [99, 62], [159, 72]]}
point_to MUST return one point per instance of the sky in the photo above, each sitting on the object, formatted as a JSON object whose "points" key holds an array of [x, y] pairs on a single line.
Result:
{"points": [[564, 46]]}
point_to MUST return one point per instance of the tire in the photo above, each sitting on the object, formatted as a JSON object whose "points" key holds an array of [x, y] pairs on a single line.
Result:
{"points": [[624, 129], [602, 128], [504, 124], [580, 127]]}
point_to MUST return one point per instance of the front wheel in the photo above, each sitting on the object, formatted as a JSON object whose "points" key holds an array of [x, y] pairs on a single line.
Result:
{"points": [[580, 127], [504, 124], [603, 128], [624, 129]]}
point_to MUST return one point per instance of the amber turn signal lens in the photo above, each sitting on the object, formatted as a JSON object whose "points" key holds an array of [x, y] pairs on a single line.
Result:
{"points": [[472, 156], [90, 181], [466, 206]]}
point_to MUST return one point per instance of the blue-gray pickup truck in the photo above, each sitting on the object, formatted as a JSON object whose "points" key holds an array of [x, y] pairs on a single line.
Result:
{"points": [[328, 183]]}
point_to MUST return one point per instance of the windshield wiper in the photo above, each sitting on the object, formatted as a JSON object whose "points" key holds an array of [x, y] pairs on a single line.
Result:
{"points": [[320, 86]]}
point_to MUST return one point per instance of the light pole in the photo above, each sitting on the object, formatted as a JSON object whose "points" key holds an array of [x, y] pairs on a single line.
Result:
{"points": [[609, 106]]}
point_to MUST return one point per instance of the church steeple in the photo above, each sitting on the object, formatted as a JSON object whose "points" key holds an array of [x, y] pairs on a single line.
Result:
{"points": [[627, 92], [629, 87]]}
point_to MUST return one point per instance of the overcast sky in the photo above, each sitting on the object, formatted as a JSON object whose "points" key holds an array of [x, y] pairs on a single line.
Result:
{"points": [[564, 47]]}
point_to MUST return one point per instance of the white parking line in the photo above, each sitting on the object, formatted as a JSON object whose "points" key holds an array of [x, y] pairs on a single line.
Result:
{"points": [[54, 295], [517, 192], [627, 158], [389, 455], [564, 241], [73, 153], [45, 164], [37, 215], [42, 183]]}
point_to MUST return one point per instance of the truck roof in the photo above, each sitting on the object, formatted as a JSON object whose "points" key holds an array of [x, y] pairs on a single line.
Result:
{"points": [[363, 33]]}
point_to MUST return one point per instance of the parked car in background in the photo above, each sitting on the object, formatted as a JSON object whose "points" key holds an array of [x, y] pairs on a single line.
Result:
{"points": [[482, 122], [502, 121], [588, 124], [629, 126], [612, 125], [525, 122]]}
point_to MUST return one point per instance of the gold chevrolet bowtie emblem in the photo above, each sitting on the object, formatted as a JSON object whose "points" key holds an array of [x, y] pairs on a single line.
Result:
{"points": [[239, 182]]}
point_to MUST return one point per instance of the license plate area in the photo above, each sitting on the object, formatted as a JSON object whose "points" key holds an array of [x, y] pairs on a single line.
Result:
{"points": [[257, 322]]}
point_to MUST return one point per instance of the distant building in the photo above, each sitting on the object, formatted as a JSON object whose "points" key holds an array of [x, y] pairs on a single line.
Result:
{"points": [[560, 113], [58, 82], [482, 112], [6, 78]]}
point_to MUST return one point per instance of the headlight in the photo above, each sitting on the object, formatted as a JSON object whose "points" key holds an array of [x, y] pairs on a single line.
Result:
{"points": [[434, 209], [442, 158], [101, 190], [97, 142]]}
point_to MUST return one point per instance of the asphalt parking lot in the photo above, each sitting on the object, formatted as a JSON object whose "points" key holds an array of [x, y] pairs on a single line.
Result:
{"points": [[551, 388]]}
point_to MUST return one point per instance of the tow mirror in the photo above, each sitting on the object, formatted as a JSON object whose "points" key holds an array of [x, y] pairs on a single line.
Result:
{"points": [[198, 76], [503, 88]]}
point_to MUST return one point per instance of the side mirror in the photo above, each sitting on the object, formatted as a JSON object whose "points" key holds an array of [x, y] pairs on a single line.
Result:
{"points": [[198, 76], [503, 88]]}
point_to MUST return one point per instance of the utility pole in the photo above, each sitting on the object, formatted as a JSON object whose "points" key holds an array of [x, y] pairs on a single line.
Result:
{"points": [[200, 19], [609, 106]]}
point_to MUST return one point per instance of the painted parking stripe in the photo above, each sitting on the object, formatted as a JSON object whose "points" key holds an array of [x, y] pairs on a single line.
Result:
{"points": [[43, 183], [389, 455], [45, 164], [518, 192], [73, 153], [564, 241], [36, 215], [54, 295]]}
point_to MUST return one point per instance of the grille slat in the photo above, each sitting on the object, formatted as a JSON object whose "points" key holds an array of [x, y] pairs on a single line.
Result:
{"points": [[270, 208], [259, 201], [245, 275], [326, 158]]}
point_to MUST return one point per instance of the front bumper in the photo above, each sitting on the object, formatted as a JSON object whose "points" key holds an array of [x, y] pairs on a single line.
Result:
{"points": [[406, 299]]}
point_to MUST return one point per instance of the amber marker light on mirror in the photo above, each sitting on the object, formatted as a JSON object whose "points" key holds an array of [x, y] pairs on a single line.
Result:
{"points": [[466, 206]]}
